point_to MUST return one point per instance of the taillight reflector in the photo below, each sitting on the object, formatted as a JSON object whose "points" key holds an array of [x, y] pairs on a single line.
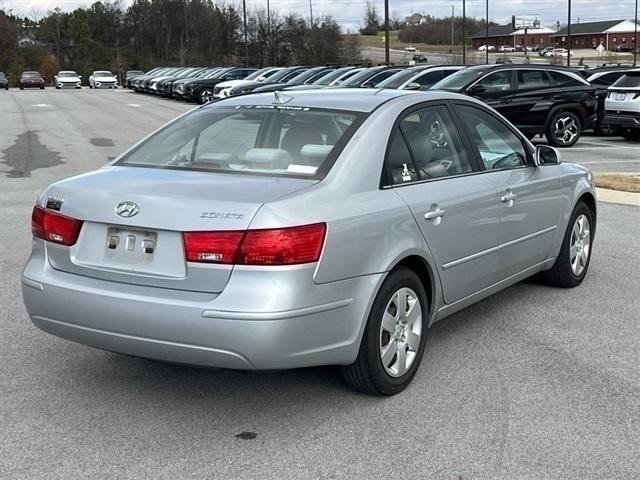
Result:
{"points": [[277, 246], [54, 227]]}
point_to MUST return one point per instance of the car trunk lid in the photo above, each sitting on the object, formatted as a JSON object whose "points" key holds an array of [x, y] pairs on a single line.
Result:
{"points": [[143, 243]]}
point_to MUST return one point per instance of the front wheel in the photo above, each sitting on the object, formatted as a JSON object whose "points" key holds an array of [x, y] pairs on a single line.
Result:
{"points": [[573, 260], [631, 134], [205, 96], [564, 129], [394, 338]]}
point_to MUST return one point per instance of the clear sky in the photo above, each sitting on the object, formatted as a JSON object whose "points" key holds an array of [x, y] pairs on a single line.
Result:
{"points": [[349, 13]]}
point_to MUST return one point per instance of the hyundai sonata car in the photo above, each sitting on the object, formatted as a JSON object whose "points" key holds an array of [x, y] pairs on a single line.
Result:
{"points": [[103, 79], [31, 79], [328, 227]]}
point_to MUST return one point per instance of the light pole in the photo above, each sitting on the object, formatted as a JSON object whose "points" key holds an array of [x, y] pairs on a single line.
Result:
{"points": [[244, 25], [453, 13], [386, 32], [569, 33], [635, 37], [311, 13], [269, 34], [486, 34], [464, 40]]}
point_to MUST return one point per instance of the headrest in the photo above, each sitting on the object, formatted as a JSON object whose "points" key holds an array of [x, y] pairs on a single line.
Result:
{"points": [[269, 156], [312, 151]]}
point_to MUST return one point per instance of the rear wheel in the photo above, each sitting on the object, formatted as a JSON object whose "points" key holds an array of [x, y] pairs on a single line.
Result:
{"points": [[563, 129], [394, 338], [631, 134], [573, 260]]}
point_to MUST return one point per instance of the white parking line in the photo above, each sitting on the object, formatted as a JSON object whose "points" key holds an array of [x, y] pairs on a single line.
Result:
{"points": [[41, 105], [607, 161], [134, 105]]}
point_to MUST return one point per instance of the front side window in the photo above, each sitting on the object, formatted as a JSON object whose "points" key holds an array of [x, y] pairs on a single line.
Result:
{"points": [[426, 145], [498, 146], [262, 140], [496, 82]]}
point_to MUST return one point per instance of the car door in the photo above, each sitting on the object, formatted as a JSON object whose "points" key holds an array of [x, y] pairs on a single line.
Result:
{"points": [[530, 102], [429, 166], [530, 196]]}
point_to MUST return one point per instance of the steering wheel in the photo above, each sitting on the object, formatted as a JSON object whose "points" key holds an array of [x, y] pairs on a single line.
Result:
{"points": [[437, 135]]}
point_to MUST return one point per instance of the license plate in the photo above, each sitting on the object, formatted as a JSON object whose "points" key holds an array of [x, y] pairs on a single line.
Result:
{"points": [[136, 243], [621, 96]]}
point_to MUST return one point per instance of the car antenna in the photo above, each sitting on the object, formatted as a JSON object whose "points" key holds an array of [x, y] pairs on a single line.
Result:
{"points": [[281, 98]]}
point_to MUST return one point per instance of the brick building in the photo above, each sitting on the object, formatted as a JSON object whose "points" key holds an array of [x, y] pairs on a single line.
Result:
{"points": [[509, 36], [611, 33]]}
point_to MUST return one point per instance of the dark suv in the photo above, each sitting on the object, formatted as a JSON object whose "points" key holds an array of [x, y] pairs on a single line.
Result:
{"points": [[4, 83], [538, 99]]}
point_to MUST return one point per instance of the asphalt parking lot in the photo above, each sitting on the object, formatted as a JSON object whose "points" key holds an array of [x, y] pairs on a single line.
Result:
{"points": [[532, 383]]}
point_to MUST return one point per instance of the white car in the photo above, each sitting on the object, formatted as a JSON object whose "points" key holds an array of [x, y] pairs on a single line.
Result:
{"points": [[410, 48], [222, 89], [558, 52], [483, 48], [506, 48], [622, 105], [67, 79], [103, 79]]}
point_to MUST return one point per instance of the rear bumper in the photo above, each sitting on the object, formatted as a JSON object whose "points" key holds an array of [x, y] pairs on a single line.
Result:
{"points": [[262, 320], [630, 120]]}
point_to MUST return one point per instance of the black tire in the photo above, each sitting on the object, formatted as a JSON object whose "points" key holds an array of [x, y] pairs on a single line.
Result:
{"points": [[42, 87], [606, 130], [550, 130], [561, 274], [21, 87], [200, 97], [631, 134], [367, 374]]}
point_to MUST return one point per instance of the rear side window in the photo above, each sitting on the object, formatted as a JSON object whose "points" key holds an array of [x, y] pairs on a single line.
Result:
{"points": [[498, 146], [426, 145], [431, 78], [607, 79], [262, 140], [560, 79], [628, 80], [532, 79]]}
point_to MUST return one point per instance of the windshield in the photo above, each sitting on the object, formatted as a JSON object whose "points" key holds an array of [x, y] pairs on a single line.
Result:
{"points": [[262, 72], [102, 73], [457, 81], [260, 139], [327, 79], [399, 78], [359, 78], [67, 74], [304, 76], [30, 74], [628, 80]]}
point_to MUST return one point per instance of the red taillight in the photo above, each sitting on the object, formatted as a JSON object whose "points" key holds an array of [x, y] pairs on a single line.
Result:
{"points": [[54, 227], [277, 246], [212, 247]]}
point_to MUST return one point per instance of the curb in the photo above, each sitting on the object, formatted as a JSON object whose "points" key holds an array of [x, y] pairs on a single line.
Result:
{"points": [[615, 196]]}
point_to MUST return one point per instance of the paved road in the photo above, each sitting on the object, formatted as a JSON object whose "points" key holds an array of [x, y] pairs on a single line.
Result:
{"points": [[533, 383]]}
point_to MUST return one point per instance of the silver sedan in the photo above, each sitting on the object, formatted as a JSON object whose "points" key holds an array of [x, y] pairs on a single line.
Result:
{"points": [[328, 227]]}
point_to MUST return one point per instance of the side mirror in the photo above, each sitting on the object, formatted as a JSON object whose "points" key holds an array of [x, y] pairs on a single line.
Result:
{"points": [[412, 86], [476, 89], [546, 155]]}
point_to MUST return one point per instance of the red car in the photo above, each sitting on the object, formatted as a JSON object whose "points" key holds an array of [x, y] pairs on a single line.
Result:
{"points": [[31, 80]]}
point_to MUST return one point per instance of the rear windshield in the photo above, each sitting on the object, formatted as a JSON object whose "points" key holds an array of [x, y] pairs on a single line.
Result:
{"points": [[254, 139], [459, 80], [628, 80], [396, 81]]}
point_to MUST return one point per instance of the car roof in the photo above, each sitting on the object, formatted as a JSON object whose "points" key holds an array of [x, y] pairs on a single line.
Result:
{"points": [[353, 99]]}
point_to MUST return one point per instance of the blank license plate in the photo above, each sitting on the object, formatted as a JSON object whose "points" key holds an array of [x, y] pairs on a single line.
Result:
{"points": [[621, 96]]}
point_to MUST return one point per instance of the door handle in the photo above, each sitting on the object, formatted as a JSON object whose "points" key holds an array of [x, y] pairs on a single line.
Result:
{"points": [[508, 197], [436, 213]]}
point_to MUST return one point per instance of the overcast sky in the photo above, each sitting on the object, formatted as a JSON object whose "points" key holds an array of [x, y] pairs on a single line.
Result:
{"points": [[349, 13]]}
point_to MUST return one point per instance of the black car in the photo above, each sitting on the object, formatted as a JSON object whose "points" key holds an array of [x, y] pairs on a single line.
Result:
{"points": [[282, 76], [178, 86], [4, 82], [538, 99], [165, 86], [201, 90], [304, 78], [420, 58]]}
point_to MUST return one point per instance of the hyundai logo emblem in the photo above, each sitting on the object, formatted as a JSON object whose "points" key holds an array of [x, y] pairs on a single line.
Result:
{"points": [[127, 209]]}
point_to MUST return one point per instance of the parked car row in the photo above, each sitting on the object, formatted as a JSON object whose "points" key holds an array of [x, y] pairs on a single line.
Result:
{"points": [[63, 79]]}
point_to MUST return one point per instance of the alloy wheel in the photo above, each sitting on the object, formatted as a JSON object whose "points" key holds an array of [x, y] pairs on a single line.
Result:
{"points": [[206, 95], [566, 129], [400, 332], [580, 245]]}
